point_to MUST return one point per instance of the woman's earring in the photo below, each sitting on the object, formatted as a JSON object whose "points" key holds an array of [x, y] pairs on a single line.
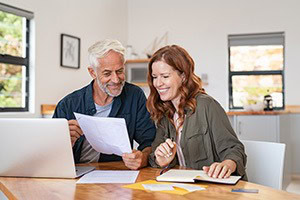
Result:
{"points": [[183, 78]]}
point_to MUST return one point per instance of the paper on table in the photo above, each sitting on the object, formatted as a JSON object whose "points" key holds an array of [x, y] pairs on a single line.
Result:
{"points": [[109, 176], [105, 134], [166, 187], [177, 190], [190, 188], [158, 187]]}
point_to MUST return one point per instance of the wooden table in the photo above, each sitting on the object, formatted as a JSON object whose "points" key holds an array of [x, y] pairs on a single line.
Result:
{"points": [[38, 188]]}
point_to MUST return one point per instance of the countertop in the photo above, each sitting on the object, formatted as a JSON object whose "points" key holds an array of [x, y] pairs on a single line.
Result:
{"points": [[289, 109]]}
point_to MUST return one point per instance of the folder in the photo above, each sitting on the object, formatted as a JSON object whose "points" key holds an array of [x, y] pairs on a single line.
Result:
{"points": [[192, 176]]}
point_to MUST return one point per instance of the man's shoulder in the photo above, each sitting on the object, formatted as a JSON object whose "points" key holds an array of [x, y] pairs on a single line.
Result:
{"points": [[75, 95], [132, 90]]}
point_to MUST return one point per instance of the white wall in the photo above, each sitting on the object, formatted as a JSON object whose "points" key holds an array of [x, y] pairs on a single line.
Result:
{"points": [[90, 20], [202, 26]]}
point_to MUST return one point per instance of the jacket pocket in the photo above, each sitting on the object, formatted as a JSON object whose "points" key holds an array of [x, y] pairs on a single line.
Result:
{"points": [[196, 147]]}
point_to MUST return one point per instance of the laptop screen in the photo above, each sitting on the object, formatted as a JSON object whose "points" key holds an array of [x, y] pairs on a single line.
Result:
{"points": [[36, 148]]}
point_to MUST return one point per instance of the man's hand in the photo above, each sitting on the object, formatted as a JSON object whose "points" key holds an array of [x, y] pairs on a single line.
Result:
{"points": [[136, 159], [220, 170], [75, 131]]}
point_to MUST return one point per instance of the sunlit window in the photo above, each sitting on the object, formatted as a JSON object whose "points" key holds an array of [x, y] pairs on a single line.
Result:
{"points": [[256, 69], [14, 58]]}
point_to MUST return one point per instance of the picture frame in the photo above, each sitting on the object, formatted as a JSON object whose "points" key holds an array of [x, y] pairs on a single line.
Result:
{"points": [[69, 51]]}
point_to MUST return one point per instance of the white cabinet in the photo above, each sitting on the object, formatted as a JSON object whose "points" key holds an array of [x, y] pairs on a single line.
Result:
{"points": [[257, 127]]}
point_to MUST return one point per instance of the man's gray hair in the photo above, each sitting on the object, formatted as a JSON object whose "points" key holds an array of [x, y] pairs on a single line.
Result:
{"points": [[101, 48]]}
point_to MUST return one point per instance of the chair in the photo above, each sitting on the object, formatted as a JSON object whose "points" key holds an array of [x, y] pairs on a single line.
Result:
{"points": [[47, 110], [265, 162]]}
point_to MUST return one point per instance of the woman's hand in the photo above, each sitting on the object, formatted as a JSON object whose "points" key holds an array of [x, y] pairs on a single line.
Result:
{"points": [[220, 170], [165, 153]]}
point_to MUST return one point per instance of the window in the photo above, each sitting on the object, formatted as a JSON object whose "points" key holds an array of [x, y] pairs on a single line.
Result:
{"points": [[14, 58], [256, 68]]}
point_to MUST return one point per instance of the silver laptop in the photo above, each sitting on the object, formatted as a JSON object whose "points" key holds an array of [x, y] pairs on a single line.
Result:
{"points": [[37, 148]]}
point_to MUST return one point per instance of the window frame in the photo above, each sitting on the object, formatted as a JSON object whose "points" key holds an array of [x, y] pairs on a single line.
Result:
{"points": [[231, 74], [16, 60]]}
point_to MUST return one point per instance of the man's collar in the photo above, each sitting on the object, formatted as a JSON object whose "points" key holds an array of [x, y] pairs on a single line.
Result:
{"points": [[90, 103], [89, 100]]}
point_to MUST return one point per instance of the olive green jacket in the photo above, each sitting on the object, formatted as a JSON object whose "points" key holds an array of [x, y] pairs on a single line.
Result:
{"points": [[207, 137]]}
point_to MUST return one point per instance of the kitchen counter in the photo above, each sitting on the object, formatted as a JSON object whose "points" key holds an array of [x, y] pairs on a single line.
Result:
{"points": [[289, 109]]}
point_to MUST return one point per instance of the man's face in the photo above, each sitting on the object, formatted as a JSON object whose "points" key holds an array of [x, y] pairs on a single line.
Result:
{"points": [[110, 74]]}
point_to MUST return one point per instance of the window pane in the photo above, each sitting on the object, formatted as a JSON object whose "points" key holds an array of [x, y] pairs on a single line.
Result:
{"points": [[12, 85], [252, 88], [256, 58], [12, 34]]}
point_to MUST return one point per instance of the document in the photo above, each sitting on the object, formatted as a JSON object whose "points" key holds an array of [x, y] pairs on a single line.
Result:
{"points": [[166, 187], [177, 175], [170, 186], [105, 134], [109, 176], [158, 187]]}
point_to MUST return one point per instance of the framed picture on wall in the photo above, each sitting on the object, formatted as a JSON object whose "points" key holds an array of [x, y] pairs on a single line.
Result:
{"points": [[69, 51]]}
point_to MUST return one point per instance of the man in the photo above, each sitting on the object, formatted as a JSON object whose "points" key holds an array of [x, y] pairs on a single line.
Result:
{"points": [[108, 95]]}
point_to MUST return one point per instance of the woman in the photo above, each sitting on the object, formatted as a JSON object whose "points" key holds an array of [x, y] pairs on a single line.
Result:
{"points": [[192, 128]]}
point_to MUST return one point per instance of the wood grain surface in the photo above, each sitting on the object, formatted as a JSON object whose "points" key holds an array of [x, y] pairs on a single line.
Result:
{"points": [[39, 188]]}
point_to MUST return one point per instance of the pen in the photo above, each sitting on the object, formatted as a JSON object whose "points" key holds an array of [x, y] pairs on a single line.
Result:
{"points": [[172, 138], [165, 169]]}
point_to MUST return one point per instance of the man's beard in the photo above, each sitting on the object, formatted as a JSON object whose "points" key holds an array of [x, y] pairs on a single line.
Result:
{"points": [[104, 88]]}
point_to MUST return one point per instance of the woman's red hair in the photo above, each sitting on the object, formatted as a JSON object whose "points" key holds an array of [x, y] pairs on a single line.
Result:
{"points": [[179, 59]]}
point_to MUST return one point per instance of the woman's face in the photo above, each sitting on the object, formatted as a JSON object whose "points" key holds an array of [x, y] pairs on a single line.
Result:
{"points": [[166, 80]]}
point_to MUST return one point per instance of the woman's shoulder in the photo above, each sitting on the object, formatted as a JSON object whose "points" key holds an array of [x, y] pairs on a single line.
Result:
{"points": [[204, 99]]}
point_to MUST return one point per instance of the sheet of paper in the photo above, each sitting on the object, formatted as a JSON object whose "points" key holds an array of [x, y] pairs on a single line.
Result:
{"points": [[188, 187], [109, 176], [177, 190], [158, 187], [105, 134], [167, 187]]}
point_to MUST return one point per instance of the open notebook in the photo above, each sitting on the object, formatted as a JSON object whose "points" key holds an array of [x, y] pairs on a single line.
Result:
{"points": [[189, 176]]}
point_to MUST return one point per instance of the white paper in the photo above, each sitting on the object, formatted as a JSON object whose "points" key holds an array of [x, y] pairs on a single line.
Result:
{"points": [[190, 188], [162, 187], [158, 187], [105, 134], [109, 176]]}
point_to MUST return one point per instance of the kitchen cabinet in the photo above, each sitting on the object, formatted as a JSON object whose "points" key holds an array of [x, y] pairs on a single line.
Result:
{"points": [[257, 127]]}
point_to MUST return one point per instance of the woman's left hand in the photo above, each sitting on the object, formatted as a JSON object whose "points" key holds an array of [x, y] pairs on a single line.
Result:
{"points": [[220, 170]]}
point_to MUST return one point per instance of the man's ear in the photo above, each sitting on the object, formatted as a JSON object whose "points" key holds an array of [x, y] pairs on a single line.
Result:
{"points": [[92, 72]]}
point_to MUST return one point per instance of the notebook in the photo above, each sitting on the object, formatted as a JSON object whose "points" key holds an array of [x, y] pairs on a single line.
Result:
{"points": [[37, 148], [190, 176]]}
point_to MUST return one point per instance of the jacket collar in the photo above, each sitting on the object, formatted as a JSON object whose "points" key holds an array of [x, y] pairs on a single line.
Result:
{"points": [[89, 100], [118, 101]]}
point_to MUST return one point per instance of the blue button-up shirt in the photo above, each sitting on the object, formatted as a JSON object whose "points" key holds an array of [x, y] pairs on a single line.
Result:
{"points": [[130, 105]]}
